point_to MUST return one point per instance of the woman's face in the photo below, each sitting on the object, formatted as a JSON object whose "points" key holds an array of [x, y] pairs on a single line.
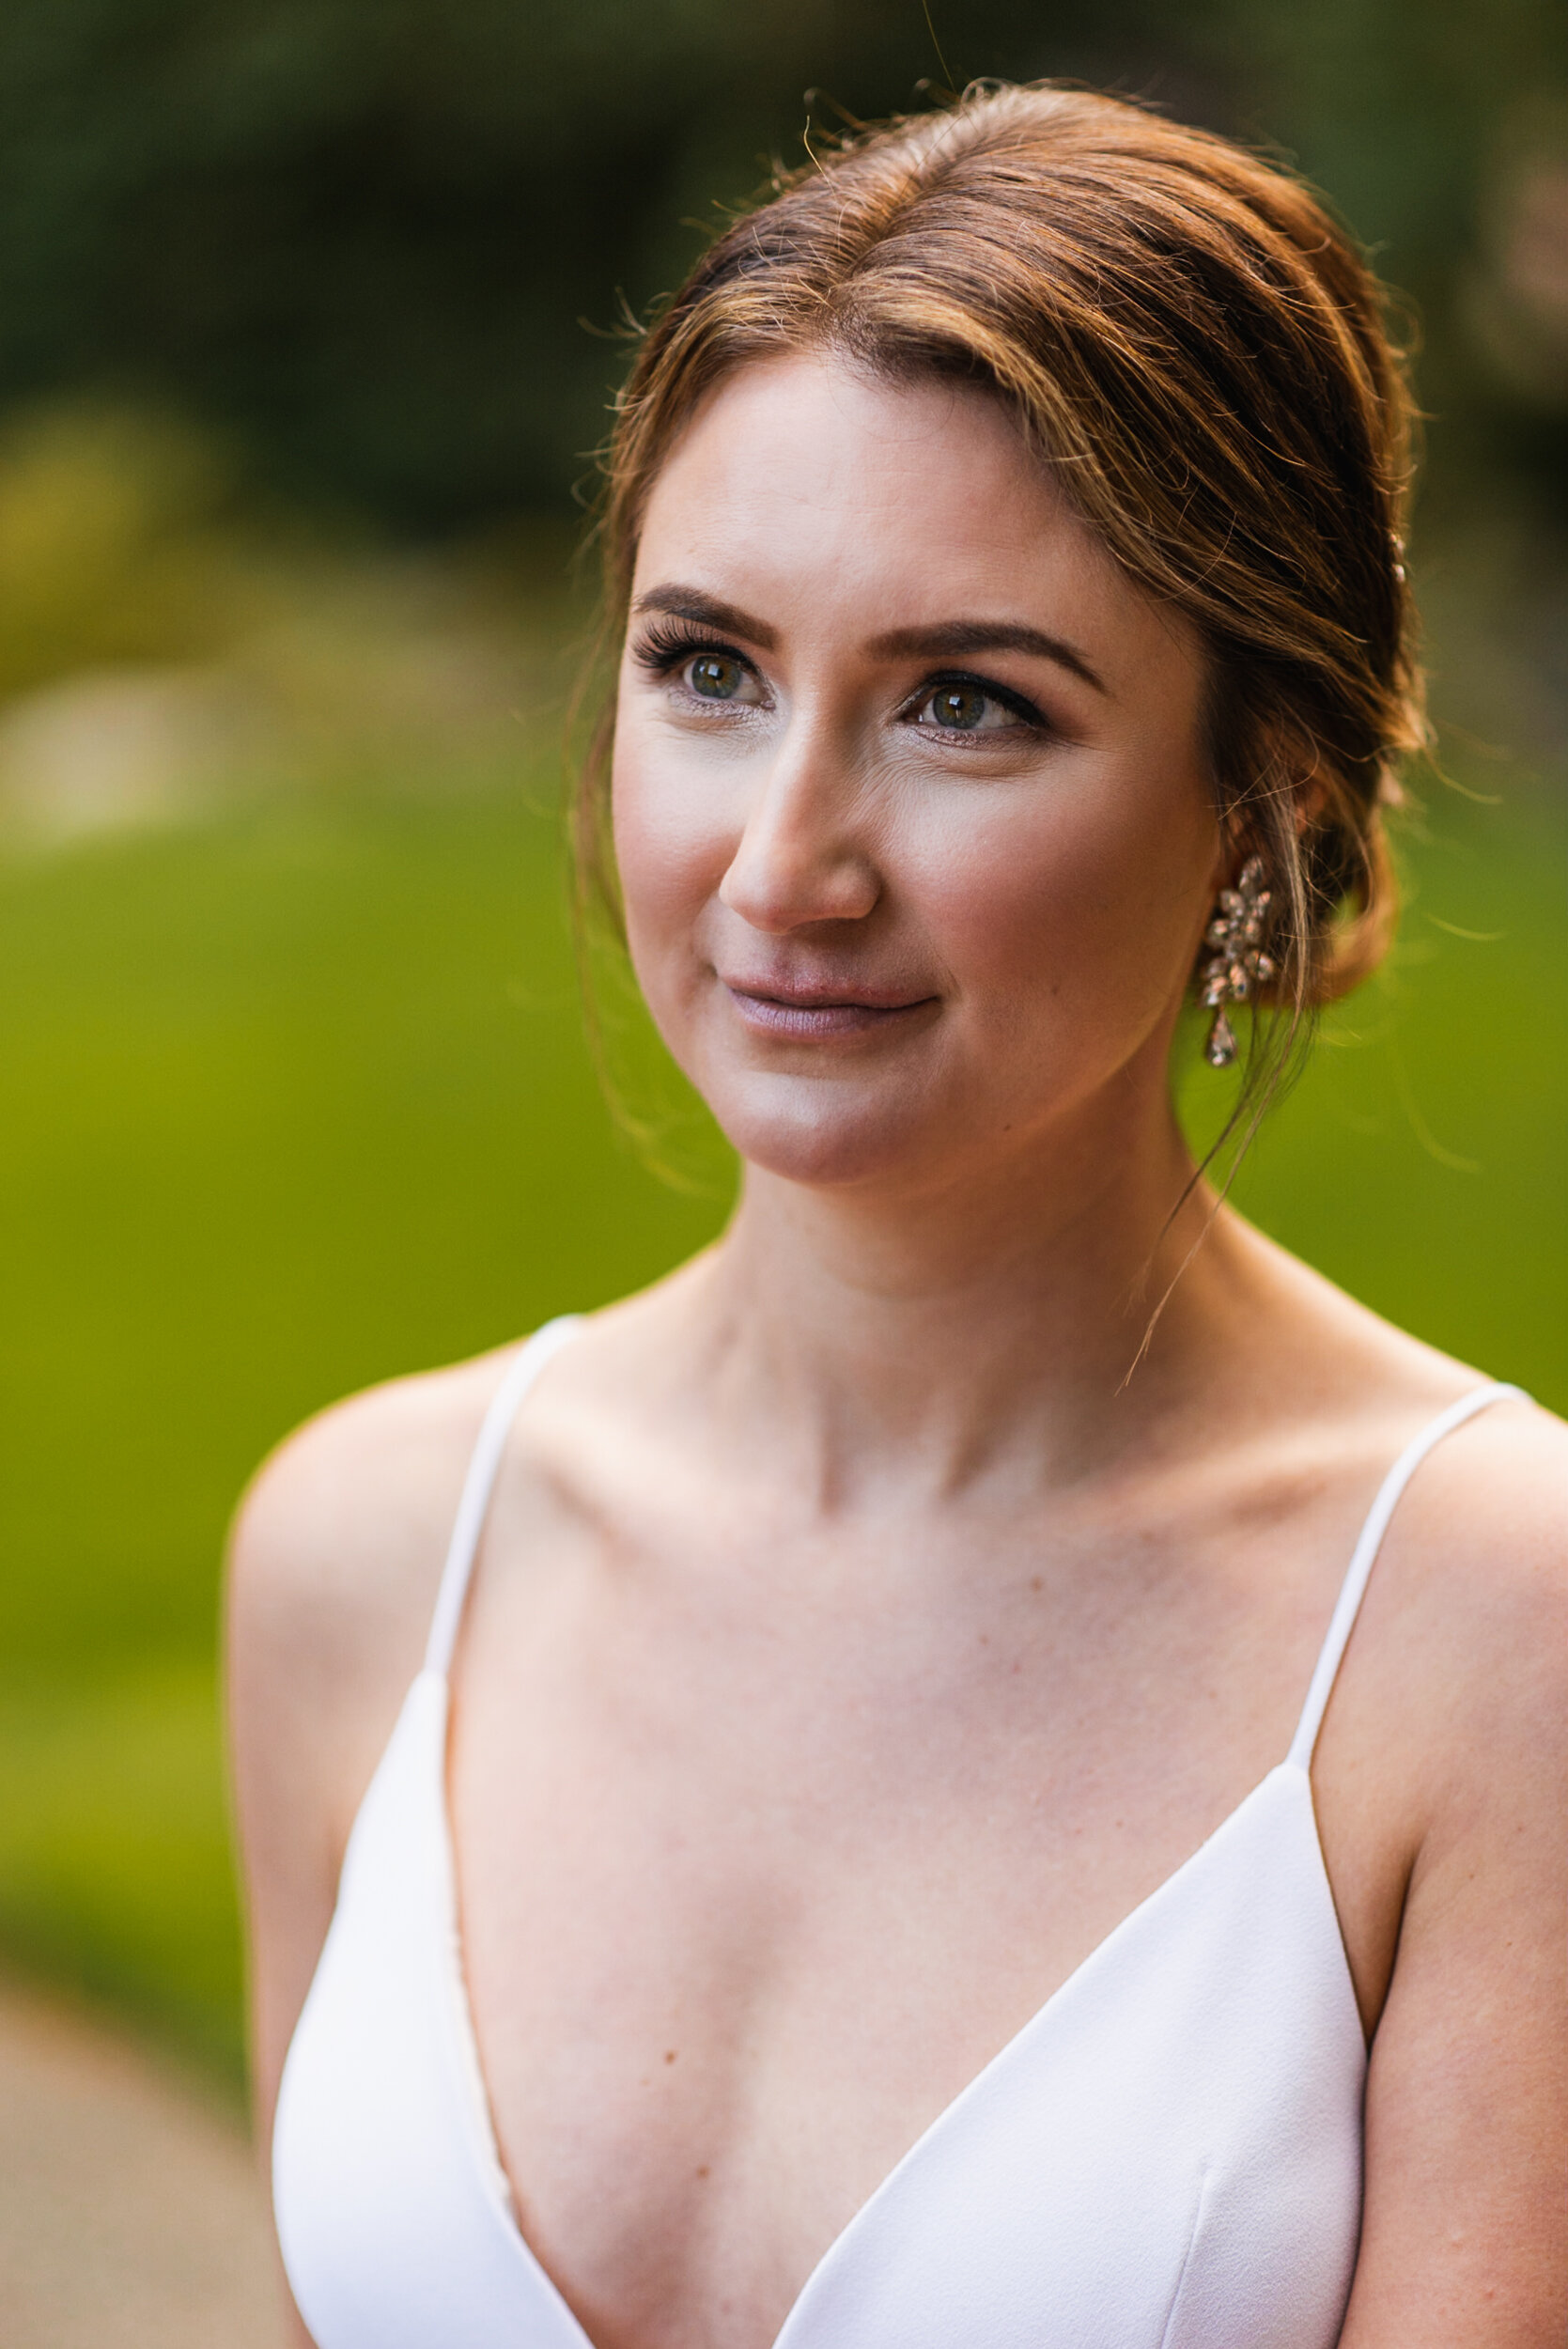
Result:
{"points": [[909, 801]]}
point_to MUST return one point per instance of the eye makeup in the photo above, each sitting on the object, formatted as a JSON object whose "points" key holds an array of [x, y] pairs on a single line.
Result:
{"points": [[664, 644], [958, 683]]}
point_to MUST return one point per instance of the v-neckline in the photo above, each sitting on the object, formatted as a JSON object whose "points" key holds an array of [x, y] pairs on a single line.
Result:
{"points": [[482, 2113], [1296, 1767]]}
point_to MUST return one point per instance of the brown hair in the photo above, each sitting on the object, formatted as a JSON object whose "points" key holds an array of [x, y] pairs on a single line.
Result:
{"points": [[1182, 328]]}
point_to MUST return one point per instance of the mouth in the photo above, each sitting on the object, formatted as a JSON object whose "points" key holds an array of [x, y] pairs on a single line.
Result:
{"points": [[812, 1014]]}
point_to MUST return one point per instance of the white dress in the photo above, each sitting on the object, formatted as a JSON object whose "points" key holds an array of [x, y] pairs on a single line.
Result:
{"points": [[1167, 2156]]}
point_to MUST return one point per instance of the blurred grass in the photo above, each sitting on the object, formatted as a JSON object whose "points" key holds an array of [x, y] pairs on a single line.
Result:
{"points": [[115, 1873], [294, 1097]]}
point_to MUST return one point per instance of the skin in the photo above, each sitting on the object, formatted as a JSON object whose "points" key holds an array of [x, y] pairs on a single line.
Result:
{"points": [[854, 1643]]}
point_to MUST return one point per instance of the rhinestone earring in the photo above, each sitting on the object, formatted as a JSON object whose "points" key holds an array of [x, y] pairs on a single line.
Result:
{"points": [[1237, 962]]}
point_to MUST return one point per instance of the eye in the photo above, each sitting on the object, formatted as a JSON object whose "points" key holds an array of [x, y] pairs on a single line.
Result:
{"points": [[716, 677], [716, 674], [967, 706]]}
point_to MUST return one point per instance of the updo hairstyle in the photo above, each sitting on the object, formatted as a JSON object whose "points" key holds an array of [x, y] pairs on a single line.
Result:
{"points": [[1199, 352]]}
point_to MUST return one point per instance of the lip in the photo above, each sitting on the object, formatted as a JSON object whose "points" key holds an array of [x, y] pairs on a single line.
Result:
{"points": [[811, 1013]]}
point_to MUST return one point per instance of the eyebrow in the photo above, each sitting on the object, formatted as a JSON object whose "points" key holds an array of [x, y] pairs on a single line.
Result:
{"points": [[948, 640], [691, 604], [943, 640]]}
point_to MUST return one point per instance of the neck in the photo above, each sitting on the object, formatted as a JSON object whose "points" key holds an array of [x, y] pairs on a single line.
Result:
{"points": [[977, 1320]]}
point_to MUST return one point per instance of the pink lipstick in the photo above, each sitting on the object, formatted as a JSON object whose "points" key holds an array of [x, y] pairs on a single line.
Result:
{"points": [[811, 1014]]}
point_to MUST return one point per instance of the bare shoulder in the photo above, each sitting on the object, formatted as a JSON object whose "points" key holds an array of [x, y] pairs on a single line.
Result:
{"points": [[1440, 1785], [337, 1547], [1463, 2237], [1485, 1535], [1455, 1703], [341, 1519], [1495, 1491], [1487, 1500], [1461, 1642], [333, 1566], [335, 1560]]}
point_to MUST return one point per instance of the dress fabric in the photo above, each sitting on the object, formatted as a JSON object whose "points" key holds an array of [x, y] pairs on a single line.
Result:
{"points": [[1167, 2156]]}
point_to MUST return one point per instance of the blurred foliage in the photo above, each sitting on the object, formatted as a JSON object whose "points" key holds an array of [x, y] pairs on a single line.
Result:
{"points": [[170, 641], [110, 544], [365, 232]]}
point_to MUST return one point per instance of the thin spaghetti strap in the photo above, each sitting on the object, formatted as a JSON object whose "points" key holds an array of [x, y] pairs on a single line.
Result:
{"points": [[1343, 1622], [478, 1484]]}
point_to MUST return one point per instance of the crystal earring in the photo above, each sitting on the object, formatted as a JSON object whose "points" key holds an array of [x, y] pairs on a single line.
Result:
{"points": [[1237, 963]]}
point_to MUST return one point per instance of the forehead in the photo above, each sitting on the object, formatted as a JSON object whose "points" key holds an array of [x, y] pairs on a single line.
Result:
{"points": [[806, 487]]}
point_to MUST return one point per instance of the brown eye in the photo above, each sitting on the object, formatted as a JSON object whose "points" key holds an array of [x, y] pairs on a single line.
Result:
{"points": [[715, 677]]}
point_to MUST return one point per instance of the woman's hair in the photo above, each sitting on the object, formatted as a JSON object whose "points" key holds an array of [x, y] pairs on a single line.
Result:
{"points": [[1200, 351]]}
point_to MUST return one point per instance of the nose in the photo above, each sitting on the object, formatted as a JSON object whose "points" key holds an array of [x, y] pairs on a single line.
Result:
{"points": [[801, 858]]}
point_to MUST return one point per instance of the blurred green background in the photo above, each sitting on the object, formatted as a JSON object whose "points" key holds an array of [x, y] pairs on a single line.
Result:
{"points": [[308, 321]]}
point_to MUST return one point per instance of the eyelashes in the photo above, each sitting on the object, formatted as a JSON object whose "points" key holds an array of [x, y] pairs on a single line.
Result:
{"points": [[965, 681], [664, 645]]}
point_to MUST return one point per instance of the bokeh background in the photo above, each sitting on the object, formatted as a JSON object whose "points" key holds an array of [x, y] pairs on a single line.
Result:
{"points": [[310, 311]]}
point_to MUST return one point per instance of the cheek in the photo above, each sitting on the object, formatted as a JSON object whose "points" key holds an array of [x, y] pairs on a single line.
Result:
{"points": [[671, 853], [1085, 903]]}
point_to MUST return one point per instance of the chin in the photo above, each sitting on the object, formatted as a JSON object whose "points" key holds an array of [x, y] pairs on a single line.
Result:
{"points": [[825, 1142]]}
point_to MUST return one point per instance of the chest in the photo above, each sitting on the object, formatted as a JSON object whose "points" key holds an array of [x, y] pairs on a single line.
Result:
{"points": [[756, 1876], [1167, 2155]]}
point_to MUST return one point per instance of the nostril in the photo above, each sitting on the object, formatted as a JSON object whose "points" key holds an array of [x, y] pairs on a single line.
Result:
{"points": [[775, 885]]}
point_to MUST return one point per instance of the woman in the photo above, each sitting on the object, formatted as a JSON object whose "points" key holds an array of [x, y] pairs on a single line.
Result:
{"points": [[844, 1873]]}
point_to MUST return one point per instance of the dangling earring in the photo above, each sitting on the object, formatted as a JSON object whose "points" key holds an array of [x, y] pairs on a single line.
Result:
{"points": [[1238, 963]]}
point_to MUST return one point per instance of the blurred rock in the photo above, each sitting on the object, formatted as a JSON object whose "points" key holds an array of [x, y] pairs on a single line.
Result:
{"points": [[120, 747]]}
